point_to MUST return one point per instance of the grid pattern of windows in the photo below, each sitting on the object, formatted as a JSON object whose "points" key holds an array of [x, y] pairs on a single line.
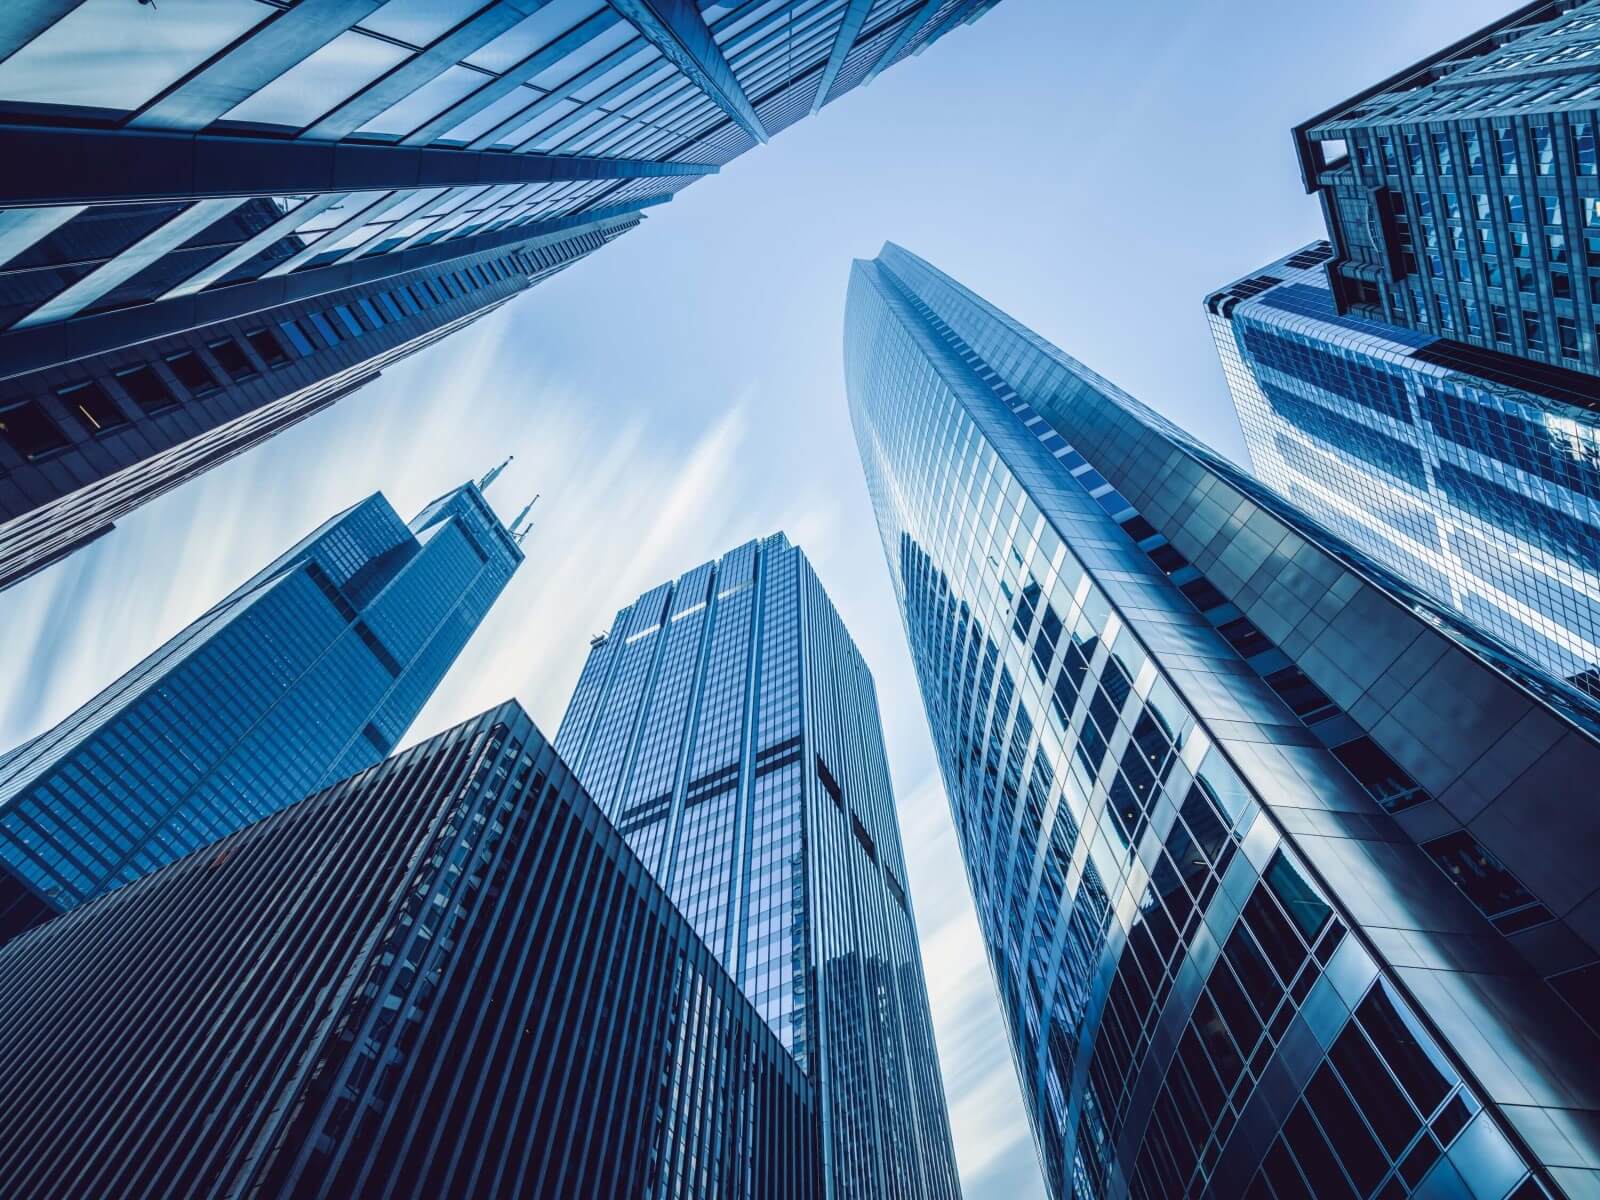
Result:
{"points": [[732, 726], [260, 701], [1460, 191], [1483, 495], [450, 933], [1170, 973]]}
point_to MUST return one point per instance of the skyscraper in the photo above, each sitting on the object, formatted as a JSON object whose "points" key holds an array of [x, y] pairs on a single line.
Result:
{"points": [[1480, 486], [729, 727], [1461, 193], [270, 203], [444, 977], [1284, 879], [309, 671]]}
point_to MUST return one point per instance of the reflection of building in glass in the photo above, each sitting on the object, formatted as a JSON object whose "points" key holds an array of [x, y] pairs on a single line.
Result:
{"points": [[1461, 193], [406, 985], [309, 671], [729, 727], [1480, 486], [212, 238], [1263, 847]]}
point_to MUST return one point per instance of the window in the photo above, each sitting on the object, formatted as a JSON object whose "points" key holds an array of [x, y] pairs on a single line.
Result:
{"points": [[1474, 152], [30, 431], [1514, 207], [320, 323], [267, 346], [297, 337], [147, 389], [1544, 151], [1506, 144], [231, 358], [1532, 331], [386, 302], [192, 373], [1495, 891], [1583, 156], [1552, 209], [1383, 778], [1567, 333], [91, 405], [374, 318], [348, 320], [1305, 908]]}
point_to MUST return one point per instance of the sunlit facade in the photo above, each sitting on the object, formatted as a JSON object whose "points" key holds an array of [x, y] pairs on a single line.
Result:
{"points": [[309, 671], [729, 727], [1480, 486], [444, 978], [1461, 193], [1269, 856], [219, 233]]}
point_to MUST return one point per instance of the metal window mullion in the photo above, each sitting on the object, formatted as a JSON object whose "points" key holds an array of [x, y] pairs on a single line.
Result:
{"points": [[680, 33], [168, 237], [389, 89], [515, 77], [245, 251], [255, 60]]}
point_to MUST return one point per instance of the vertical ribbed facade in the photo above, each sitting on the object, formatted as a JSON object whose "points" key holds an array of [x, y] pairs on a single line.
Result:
{"points": [[279, 200], [729, 727], [1282, 882], [1478, 486], [444, 977], [309, 671]]}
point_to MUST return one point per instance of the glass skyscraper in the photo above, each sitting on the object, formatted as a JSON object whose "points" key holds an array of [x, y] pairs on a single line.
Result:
{"points": [[729, 727], [1461, 193], [307, 672], [1286, 881], [1480, 486], [218, 235], [444, 978]]}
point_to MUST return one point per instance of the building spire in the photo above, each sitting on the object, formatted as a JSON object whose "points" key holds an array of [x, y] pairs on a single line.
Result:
{"points": [[517, 531], [483, 484]]}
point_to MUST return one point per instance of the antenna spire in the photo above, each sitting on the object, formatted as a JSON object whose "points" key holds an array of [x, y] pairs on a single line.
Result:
{"points": [[517, 530], [483, 484]]}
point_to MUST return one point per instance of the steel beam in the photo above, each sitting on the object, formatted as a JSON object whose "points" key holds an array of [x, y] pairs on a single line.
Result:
{"points": [[678, 31], [101, 166]]}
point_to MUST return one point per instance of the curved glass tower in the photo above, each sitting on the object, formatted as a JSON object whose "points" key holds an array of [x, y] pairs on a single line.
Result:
{"points": [[729, 727], [1268, 855]]}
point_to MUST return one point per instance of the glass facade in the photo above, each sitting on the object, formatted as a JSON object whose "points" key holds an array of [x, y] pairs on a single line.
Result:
{"points": [[1482, 490], [231, 232], [308, 672], [1461, 194], [1261, 853], [406, 986], [729, 727]]}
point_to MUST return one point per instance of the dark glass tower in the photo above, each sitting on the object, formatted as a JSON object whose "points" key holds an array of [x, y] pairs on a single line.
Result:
{"points": [[729, 727], [444, 977], [309, 671], [1461, 193], [1285, 880], [274, 202], [1480, 487]]}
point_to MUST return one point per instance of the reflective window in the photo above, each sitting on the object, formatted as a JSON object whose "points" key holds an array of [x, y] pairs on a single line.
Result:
{"points": [[91, 405], [30, 431], [119, 54], [320, 82]]}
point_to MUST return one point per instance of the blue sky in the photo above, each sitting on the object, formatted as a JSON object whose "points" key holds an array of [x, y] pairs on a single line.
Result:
{"points": [[1092, 169]]}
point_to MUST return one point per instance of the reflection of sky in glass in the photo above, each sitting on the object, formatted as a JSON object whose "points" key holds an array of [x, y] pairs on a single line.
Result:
{"points": [[319, 82], [416, 21], [152, 48], [685, 385]]}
